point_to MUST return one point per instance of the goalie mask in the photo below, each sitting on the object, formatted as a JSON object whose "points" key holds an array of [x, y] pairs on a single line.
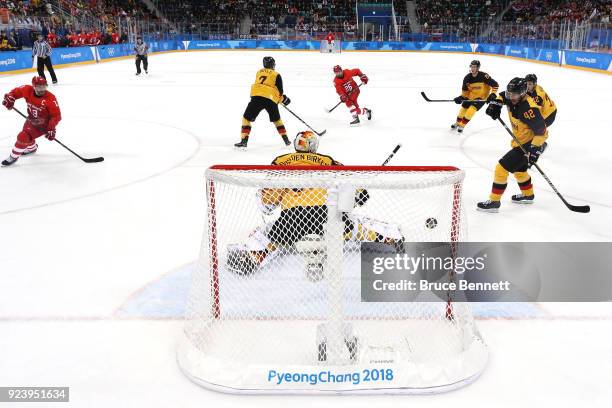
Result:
{"points": [[306, 142]]}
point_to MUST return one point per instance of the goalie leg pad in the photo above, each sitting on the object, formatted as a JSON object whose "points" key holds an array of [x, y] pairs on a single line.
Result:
{"points": [[258, 239], [312, 248], [241, 261]]}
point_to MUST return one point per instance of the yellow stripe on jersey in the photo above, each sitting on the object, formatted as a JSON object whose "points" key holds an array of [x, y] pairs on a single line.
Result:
{"points": [[527, 122], [543, 100], [265, 85], [479, 86], [306, 197]]}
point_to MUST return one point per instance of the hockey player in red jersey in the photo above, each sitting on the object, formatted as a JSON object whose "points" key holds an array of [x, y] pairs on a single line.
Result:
{"points": [[43, 116], [348, 90]]}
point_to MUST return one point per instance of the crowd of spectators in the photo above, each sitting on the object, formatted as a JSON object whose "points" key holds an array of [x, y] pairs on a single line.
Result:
{"points": [[92, 22], [549, 11], [262, 18], [465, 14]]}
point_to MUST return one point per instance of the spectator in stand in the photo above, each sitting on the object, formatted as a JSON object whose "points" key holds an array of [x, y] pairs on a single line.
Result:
{"points": [[52, 38], [6, 43]]}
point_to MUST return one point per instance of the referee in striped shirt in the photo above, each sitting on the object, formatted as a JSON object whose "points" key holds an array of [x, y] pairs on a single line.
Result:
{"points": [[42, 51]]}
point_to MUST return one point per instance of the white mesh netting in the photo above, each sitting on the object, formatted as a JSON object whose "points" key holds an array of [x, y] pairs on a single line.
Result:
{"points": [[278, 286], [333, 47]]}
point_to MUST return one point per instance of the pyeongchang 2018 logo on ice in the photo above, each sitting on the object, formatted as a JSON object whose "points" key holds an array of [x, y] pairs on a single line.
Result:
{"points": [[71, 56]]}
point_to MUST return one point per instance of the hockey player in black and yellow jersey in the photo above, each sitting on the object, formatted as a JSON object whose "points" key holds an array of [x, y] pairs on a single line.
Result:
{"points": [[476, 85], [539, 95], [266, 93], [300, 224], [530, 129]]}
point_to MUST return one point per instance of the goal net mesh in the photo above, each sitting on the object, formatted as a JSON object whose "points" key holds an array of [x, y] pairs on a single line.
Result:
{"points": [[278, 284]]}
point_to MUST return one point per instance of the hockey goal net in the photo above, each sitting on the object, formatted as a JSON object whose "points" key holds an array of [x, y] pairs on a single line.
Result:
{"points": [[334, 46], [275, 303]]}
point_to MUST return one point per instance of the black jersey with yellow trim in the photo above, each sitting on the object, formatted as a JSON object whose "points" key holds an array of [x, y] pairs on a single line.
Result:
{"points": [[527, 121], [479, 86]]}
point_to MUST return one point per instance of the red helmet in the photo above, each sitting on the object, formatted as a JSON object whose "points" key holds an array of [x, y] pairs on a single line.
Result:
{"points": [[337, 69], [38, 80]]}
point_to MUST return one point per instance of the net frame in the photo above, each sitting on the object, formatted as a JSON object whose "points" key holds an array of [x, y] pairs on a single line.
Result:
{"points": [[335, 47], [215, 174]]}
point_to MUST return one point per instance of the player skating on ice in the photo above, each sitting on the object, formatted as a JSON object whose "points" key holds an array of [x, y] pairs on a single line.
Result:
{"points": [[141, 49], [476, 85], [43, 116], [266, 93], [300, 223], [530, 129], [347, 89]]}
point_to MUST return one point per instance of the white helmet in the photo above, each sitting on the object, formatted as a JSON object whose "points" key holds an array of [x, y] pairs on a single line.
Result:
{"points": [[306, 141]]}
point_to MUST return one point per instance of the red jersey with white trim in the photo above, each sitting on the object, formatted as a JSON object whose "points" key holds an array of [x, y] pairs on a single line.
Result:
{"points": [[347, 84], [43, 111]]}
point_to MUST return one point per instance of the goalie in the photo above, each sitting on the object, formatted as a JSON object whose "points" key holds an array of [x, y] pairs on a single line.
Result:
{"points": [[302, 219]]}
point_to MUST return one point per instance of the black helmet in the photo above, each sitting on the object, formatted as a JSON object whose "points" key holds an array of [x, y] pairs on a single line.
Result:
{"points": [[517, 86], [531, 78], [475, 62], [268, 62]]}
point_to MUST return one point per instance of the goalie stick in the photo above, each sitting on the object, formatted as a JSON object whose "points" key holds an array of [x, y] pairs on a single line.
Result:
{"points": [[339, 103], [449, 100], [93, 160], [392, 154], [575, 208], [300, 119]]}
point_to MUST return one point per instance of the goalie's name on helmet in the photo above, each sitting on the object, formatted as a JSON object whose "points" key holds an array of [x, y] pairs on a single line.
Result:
{"points": [[304, 159]]}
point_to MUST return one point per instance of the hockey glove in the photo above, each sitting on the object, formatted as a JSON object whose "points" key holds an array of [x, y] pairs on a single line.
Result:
{"points": [[491, 97], [343, 97], [534, 154], [8, 101], [286, 100], [459, 99], [364, 78], [50, 134], [494, 109]]}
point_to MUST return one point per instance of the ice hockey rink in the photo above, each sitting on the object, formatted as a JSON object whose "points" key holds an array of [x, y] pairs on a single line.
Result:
{"points": [[95, 259]]}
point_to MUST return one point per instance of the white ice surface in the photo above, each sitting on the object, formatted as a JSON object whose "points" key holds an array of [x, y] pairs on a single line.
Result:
{"points": [[80, 241]]}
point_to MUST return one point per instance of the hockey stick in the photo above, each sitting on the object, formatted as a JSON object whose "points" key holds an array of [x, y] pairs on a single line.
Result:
{"points": [[94, 160], [300, 119], [339, 103], [392, 154], [449, 100], [575, 208]]}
